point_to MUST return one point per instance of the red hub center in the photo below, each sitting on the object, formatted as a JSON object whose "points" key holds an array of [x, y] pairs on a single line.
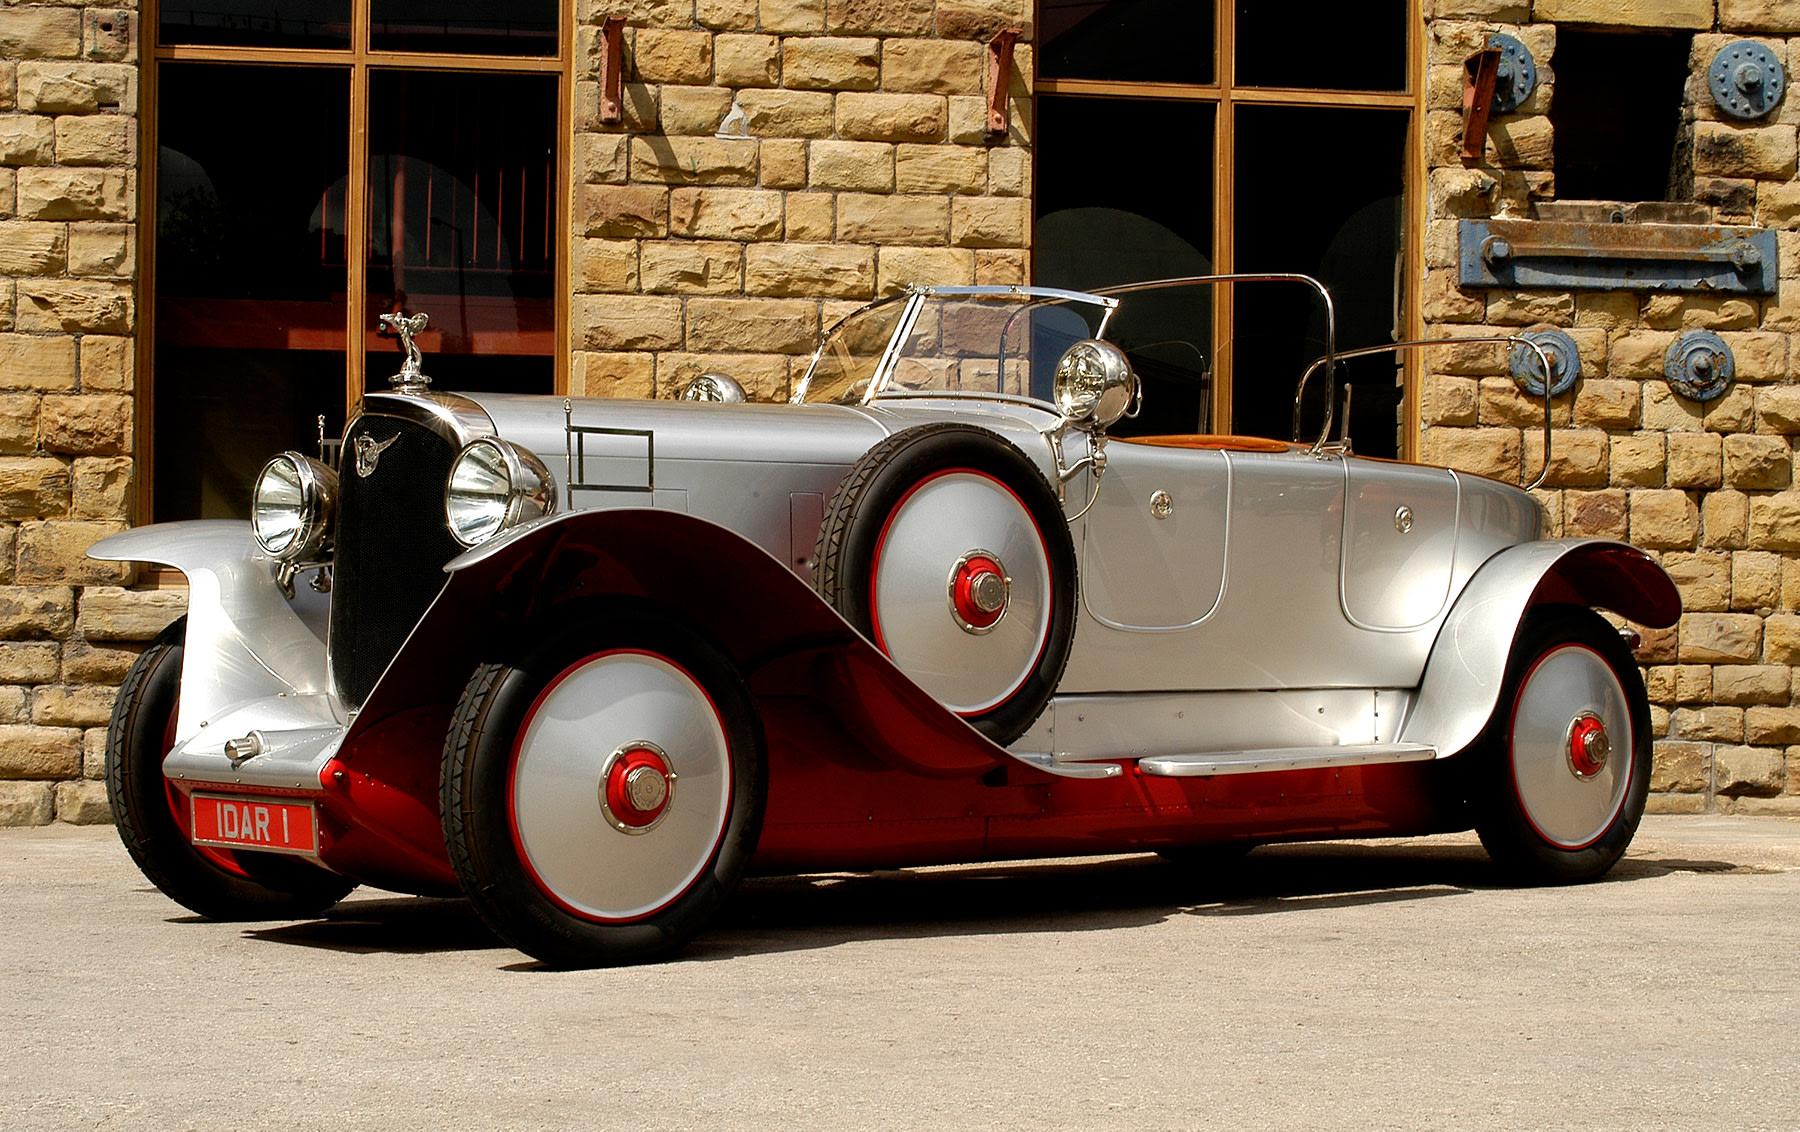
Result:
{"points": [[1589, 746], [979, 589], [637, 788]]}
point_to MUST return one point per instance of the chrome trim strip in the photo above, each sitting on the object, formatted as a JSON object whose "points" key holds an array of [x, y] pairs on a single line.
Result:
{"points": [[1285, 758], [1049, 765], [450, 415]]}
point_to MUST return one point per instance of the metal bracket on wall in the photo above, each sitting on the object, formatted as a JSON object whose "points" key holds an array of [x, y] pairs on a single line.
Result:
{"points": [[1563, 256], [1699, 365], [612, 70], [1516, 76], [1480, 72], [1558, 348], [999, 77], [1746, 79]]}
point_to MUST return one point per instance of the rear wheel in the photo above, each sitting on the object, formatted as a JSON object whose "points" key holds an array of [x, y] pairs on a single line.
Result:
{"points": [[603, 795], [152, 817], [1565, 764]]}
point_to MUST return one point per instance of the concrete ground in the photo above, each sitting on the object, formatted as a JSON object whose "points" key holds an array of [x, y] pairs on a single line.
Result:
{"points": [[1388, 985]]}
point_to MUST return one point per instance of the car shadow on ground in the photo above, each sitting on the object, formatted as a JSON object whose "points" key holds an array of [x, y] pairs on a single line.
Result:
{"points": [[779, 914]]}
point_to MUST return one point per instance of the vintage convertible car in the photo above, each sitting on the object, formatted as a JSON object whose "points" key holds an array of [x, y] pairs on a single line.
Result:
{"points": [[591, 661]]}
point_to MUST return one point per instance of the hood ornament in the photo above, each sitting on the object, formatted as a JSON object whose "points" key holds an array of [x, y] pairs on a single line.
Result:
{"points": [[411, 378]]}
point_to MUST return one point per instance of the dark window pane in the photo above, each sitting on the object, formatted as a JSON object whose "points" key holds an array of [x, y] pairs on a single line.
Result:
{"points": [[462, 224], [1168, 41], [1348, 237], [1617, 114], [1093, 231], [256, 23], [1321, 44], [467, 27], [250, 276]]}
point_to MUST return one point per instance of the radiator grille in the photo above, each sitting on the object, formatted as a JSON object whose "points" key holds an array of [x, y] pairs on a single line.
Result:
{"points": [[392, 543]]}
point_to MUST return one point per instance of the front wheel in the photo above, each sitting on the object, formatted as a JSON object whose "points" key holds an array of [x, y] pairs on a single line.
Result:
{"points": [[1565, 762], [603, 794], [152, 816]]}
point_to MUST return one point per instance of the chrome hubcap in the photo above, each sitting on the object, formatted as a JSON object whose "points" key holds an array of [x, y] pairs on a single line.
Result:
{"points": [[1588, 745], [1570, 716], [636, 787], [979, 589]]}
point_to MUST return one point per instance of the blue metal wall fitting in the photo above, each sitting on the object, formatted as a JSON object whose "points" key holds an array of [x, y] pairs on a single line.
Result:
{"points": [[1561, 256], [1746, 79], [1517, 76], [1565, 362], [1699, 365]]}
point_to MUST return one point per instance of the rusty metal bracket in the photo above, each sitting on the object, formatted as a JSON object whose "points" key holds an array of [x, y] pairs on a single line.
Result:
{"points": [[1564, 256], [1746, 79], [612, 71], [999, 78], [1699, 365], [1480, 72]]}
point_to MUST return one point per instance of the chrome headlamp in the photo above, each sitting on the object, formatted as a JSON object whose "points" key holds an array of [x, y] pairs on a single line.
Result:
{"points": [[292, 508], [494, 484], [1095, 385]]}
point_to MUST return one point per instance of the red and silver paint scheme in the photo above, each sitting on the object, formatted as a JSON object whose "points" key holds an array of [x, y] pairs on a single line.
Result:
{"points": [[1269, 641]]}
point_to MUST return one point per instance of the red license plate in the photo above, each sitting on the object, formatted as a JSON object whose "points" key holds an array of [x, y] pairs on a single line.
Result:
{"points": [[254, 823]]}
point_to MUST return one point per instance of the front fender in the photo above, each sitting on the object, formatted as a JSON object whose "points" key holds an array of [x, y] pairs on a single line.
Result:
{"points": [[1467, 664], [777, 631], [245, 639]]}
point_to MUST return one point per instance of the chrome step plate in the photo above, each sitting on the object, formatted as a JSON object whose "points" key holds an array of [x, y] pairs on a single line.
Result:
{"points": [[1284, 758]]}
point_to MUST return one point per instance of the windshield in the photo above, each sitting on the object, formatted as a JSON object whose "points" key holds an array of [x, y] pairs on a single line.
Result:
{"points": [[1005, 343]]}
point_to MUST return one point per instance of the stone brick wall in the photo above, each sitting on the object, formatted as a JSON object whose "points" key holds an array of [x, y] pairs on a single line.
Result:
{"points": [[868, 166], [1707, 488], [68, 211]]}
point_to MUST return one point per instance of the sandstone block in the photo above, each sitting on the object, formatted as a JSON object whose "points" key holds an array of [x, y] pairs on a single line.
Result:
{"points": [[855, 166], [1578, 457], [670, 55], [1698, 312], [694, 110], [1696, 14], [1002, 267], [693, 161], [1443, 300], [1725, 519], [990, 222], [1526, 140], [1734, 412], [75, 306], [785, 16], [1462, 193], [1658, 647], [1680, 767], [33, 487], [96, 139], [55, 550], [1755, 580], [878, 17], [31, 663], [1659, 683], [760, 326], [801, 270], [1778, 409], [638, 109], [933, 66], [725, 15], [811, 217], [1715, 638], [84, 663], [1731, 150], [605, 266], [36, 611], [897, 266], [82, 705], [1695, 459], [789, 113], [1662, 409], [725, 214], [27, 139], [702, 267], [102, 250], [1752, 683], [1757, 462], [28, 751], [1781, 639], [93, 753], [107, 364], [82, 803], [88, 424], [892, 117], [1663, 519], [26, 803], [747, 61], [1607, 403], [1708, 724], [1761, 355], [1637, 460], [630, 322], [624, 210], [783, 163], [1778, 204], [1759, 16], [947, 168], [831, 63], [1704, 579], [1766, 726], [1638, 354], [1733, 199], [969, 123], [40, 33], [613, 375], [1492, 452], [1775, 521], [1693, 683], [1447, 400], [1756, 771], [30, 361], [904, 219]]}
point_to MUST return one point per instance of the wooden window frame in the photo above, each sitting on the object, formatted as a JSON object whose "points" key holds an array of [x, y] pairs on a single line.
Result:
{"points": [[1227, 96], [359, 60]]}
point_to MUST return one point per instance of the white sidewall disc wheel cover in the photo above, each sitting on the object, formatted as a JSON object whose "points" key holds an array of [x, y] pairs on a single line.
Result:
{"points": [[1568, 811]]}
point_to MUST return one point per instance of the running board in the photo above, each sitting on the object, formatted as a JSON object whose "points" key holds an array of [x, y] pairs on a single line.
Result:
{"points": [[1284, 758], [1050, 765]]}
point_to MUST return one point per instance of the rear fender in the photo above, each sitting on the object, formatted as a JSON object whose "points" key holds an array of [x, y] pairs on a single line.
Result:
{"points": [[246, 640], [774, 627], [1468, 661]]}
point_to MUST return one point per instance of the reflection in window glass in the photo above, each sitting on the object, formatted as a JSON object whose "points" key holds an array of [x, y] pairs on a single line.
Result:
{"points": [[1168, 41], [250, 277], [468, 27], [316, 24], [462, 225], [1321, 44]]}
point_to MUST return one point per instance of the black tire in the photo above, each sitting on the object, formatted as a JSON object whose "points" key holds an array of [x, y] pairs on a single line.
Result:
{"points": [[1545, 810], [851, 541], [570, 904], [220, 884]]}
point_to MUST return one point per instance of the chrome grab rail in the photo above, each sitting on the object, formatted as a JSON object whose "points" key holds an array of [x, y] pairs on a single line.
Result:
{"points": [[1369, 351]]}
